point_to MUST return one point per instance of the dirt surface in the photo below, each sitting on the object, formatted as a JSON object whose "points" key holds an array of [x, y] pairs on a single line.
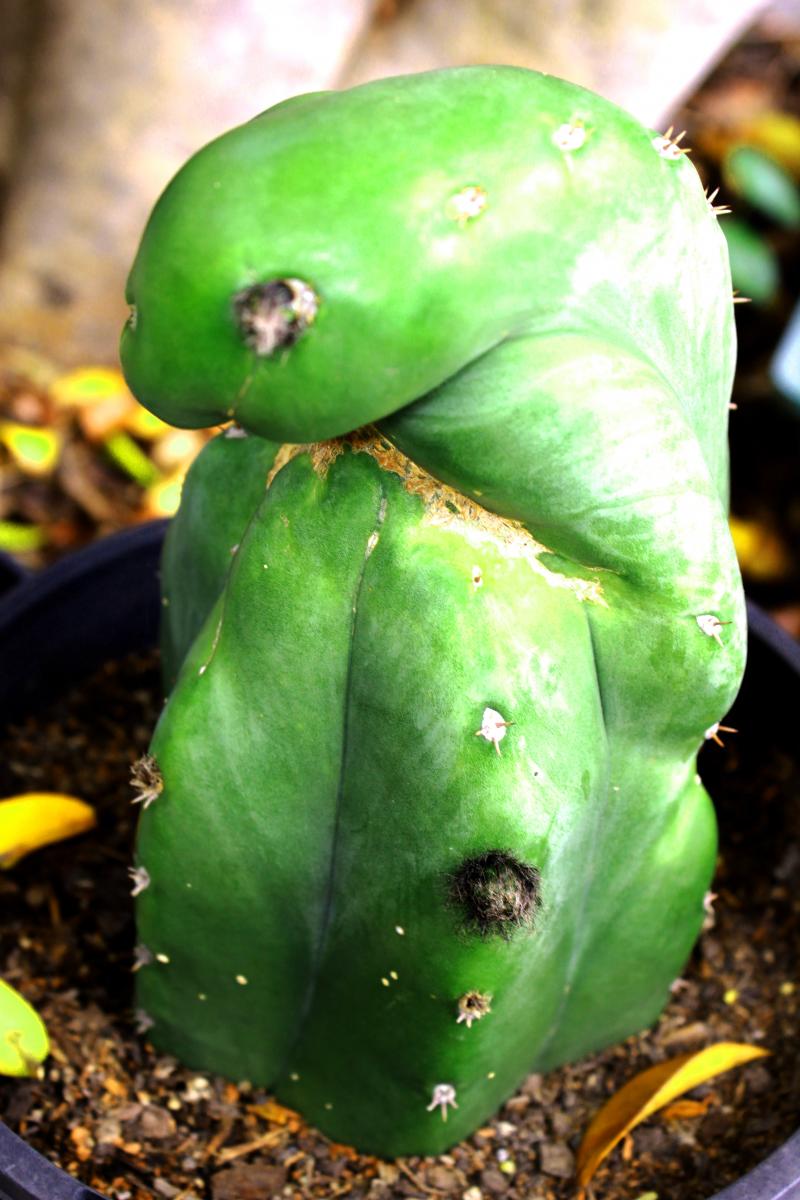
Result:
{"points": [[135, 1124]]}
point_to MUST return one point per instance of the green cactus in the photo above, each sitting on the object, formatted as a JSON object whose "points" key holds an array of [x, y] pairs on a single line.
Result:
{"points": [[205, 534], [426, 813]]}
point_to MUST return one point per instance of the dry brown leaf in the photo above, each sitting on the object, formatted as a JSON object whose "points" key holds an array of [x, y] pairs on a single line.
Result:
{"points": [[683, 1110], [653, 1089], [270, 1110]]}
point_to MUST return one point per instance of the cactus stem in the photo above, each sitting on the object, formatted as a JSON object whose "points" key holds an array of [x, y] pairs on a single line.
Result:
{"points": [[272, 316], [570, 136], [444, 1094], [472, 1006], [467, 204], [496, 892], [140, 879], [711, 626], [712, 733], [493, 727], [142, 957], [146, 780]]}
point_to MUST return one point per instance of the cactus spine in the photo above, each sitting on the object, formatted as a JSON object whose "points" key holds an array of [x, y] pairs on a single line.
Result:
{"points": [[429, 814]]}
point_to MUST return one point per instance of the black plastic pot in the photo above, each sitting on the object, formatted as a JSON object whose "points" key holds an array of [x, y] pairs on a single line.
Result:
{"points": [[56, 628]]}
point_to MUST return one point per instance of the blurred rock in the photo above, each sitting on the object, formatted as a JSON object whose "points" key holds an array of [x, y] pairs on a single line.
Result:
{"points": [[117, 95]]}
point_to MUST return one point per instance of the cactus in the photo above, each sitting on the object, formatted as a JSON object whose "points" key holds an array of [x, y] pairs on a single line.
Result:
{"points": [[205, 534], [422, 812]]}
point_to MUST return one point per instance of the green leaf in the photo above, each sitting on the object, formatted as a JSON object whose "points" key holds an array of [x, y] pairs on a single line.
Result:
{"points": [[754, 266], [23, 1038], [764, 184]]}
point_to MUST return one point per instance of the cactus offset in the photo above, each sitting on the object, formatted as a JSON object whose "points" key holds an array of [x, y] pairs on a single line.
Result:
{"points": [[430, 815]]}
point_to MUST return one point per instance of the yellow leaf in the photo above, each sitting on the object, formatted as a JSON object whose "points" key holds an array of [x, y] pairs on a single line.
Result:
{"points": [[23, 1037], [778, 134], [178, 447], [34, 450], [18, 538], [145, 425], [88, 385], [163, 498], [38, 818], [761, 553], [650, 1090]]}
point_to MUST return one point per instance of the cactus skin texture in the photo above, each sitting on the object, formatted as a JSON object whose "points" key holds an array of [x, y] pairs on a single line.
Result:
{"points": [[205, 534], [430, 815]]}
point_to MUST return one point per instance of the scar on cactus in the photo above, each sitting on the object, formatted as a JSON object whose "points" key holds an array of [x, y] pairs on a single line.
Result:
{"points": [[496, 893], [472, 1006], [272, 316], [146, 780]]}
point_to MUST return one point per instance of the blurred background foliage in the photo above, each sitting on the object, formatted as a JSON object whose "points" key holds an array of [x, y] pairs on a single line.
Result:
{"points": [[99, 105]]}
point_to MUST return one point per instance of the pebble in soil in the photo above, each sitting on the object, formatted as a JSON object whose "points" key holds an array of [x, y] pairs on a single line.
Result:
{"points": [[135, 1124]]}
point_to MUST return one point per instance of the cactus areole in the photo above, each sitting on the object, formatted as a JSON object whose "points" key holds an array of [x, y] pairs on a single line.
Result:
{"points": [[449, 607]]}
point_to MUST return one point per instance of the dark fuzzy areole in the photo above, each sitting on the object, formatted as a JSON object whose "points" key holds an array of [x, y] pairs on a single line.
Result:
{"points": [[272, 316], [496, 892]]}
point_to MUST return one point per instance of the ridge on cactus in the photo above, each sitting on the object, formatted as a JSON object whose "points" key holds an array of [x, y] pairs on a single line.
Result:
{"points": [[451, 606]]}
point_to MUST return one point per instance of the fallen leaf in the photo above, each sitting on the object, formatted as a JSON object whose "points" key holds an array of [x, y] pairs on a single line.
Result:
{"points": [[763, 183], [87, 385], [128, 455], [684, 1110], [177, 448], [38, 818], [163, 498], [761, 553], [35, 451], [146, 425], [778, 133], [341, 1150], [23, 1037], [270, 1110], [99, 420], [650, 1090], [17, 538]]}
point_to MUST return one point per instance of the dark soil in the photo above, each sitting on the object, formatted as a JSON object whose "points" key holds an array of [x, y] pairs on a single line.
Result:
{"points": [[135, 1124]]}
